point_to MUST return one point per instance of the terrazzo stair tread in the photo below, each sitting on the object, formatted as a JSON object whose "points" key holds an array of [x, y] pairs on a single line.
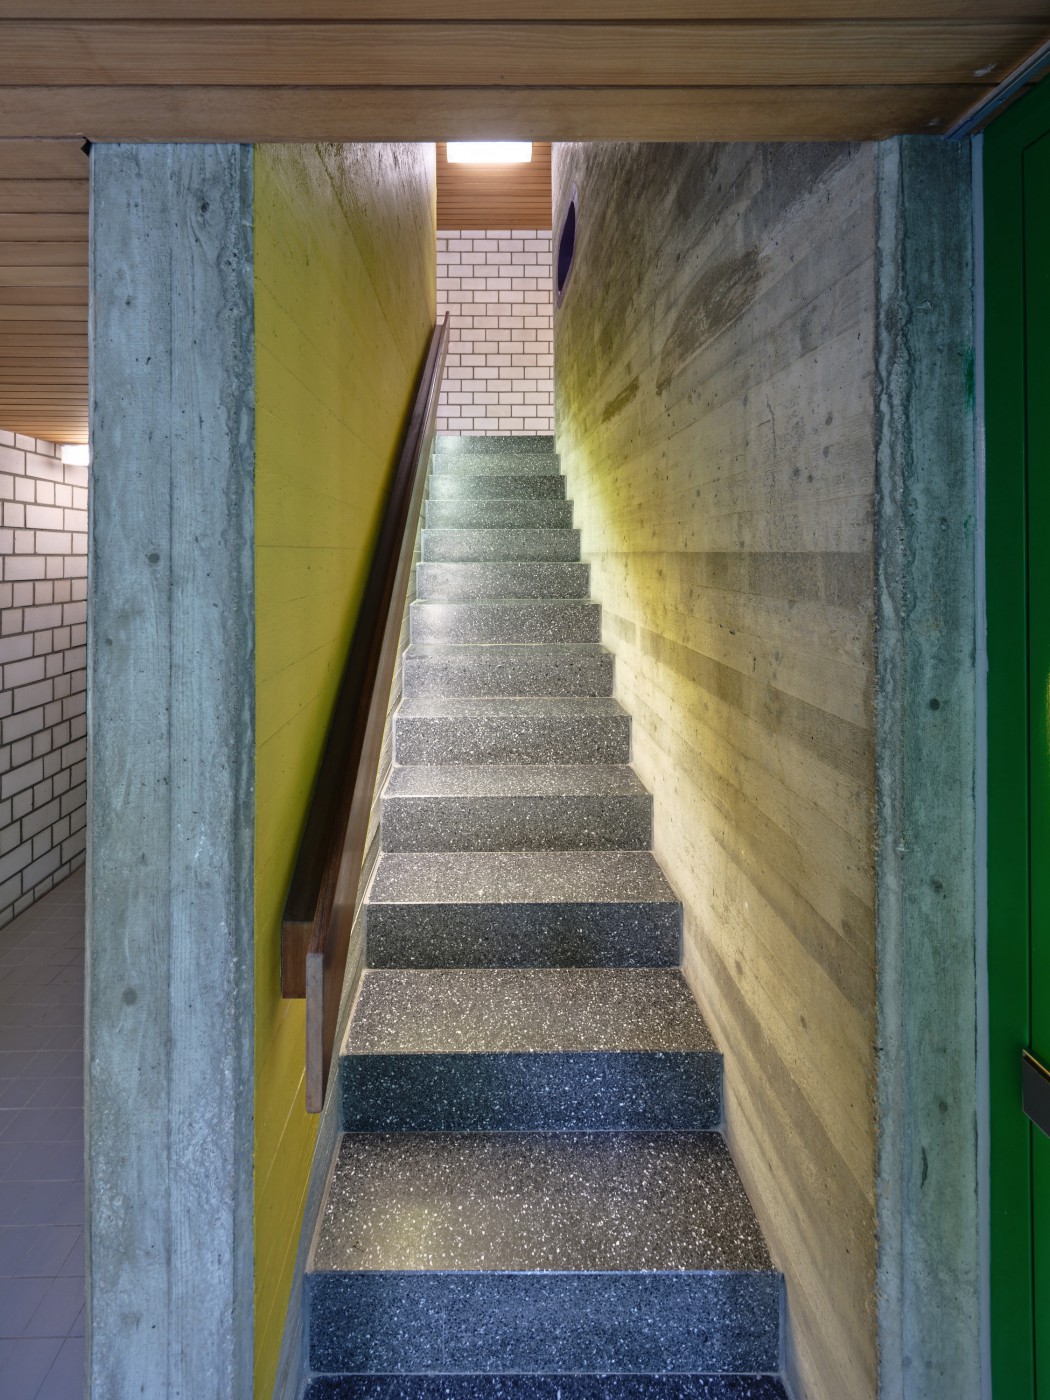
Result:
{"points": [[545, 1387], [563, 669], [498, 515], [504, 545], [495, 464], [511, 730], [505, 1251], [524, 807], [514, 444], [506, 1050], [521, 909], [495, 621], [481, 486], [500, 581]]}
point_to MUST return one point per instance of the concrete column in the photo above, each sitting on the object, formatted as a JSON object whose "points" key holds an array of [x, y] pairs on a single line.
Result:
{"points": [[925, 530], [171, 724]]}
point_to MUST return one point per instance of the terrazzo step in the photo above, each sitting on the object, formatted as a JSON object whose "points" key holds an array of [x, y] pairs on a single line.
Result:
{"points": [[513, 444], [483, 622], [521, 909], [495, 463], [536, 1387], [507, 671], [468, 730], [529, 807], [498, 515], [539, 1252], [511, 1050], [490, 581], [487, 486], [499, 545]]}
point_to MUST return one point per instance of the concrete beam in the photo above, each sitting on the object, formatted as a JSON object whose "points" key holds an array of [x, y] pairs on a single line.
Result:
{"points": [[926, 717], [170, 833]]}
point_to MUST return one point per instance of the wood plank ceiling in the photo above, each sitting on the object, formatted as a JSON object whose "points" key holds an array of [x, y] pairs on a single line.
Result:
{"points": [[495, 196], [345, 70]]}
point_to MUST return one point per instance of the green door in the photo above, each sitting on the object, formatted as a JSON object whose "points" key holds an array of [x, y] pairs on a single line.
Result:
{"points": [[1017, 381]]}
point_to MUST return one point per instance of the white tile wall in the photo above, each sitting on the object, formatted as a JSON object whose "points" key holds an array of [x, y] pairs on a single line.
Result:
{"points": [[43, 669], [497, 287]]}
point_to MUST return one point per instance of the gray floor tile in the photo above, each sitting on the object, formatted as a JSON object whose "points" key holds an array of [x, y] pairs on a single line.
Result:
{"points": [[28, 1365]]}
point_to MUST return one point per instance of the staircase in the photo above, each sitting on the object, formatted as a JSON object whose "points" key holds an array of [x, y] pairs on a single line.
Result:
{"points": [[531, 1198]]}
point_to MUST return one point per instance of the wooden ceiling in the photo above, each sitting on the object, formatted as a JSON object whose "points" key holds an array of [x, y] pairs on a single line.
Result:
{"points": [[495, 196], [273, 70]]}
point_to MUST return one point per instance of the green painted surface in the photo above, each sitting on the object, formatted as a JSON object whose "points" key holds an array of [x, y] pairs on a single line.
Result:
{"points": [[345, 269], [1017, 294]]}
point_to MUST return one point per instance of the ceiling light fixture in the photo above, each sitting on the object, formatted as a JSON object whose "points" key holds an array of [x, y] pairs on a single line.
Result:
{"points": [[489, 152]]}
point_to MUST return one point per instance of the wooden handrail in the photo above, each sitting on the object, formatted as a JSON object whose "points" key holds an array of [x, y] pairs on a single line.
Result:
{"points": [[322, 898]]}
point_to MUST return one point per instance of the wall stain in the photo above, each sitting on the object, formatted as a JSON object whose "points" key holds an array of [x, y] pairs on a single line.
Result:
{"points": [[620, 402], [714, 302]]}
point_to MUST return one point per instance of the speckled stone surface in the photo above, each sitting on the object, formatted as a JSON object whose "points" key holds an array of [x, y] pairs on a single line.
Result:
{"points": [[506, 621], [466, 729], [503, 1050], [451, 446], [527, 807], [545, 1251], [488, 544], [531, 580], [496, 463], [481, 486], [537, 1202], [443, 1012], [540, 1387], [522, 909], [498, 515], [508, 671]]}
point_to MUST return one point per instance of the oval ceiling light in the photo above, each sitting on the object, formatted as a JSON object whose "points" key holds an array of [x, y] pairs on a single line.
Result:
{"points": [[489, 152]]}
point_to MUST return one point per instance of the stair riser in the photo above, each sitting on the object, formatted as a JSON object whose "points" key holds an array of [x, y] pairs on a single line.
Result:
{"points": [[493, 546], [555, 1092], [469, 581], [494, 1322], [499, 515], [536, 1387], [524, 824], [496, 624], [529, 675], [523, 935], [495, 739], [489, 487]]}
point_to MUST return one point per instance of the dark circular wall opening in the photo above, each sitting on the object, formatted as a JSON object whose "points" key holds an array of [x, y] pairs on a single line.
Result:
{"points": [[566, 247]]}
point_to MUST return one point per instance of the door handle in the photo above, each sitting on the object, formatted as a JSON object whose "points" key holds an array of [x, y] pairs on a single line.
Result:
{"points": [[1035, 1091]]}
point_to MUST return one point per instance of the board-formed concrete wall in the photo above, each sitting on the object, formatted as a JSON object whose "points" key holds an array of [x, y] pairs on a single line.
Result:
{"points": [[345, 273], [719, 408]]}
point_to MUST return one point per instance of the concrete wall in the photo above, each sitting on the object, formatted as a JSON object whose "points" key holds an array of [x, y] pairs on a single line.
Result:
{"points": [[43, 614], [720, 401], [168, 1112], [496, 286], [345, 304]]}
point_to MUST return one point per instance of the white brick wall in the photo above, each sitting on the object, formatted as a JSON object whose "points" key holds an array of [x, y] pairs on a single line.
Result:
{"points": [[499, 376], [43, 675]]}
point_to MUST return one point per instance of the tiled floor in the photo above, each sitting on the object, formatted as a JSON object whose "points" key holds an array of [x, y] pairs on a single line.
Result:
{"points": [[42, 1148]]}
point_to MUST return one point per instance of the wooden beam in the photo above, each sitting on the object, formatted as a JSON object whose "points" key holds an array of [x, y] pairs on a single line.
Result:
{"points": [[31, 275], [44, 296], [447, 10], [421, 114], [27, 253], [48, 227], [716, 54]]}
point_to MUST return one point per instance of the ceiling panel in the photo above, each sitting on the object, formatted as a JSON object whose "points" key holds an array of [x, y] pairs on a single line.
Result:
{"points": [[346, 70], [495, 196]]}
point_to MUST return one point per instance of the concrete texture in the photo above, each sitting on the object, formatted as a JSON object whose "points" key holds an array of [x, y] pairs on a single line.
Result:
{"points": [[169, 884], [929, 1337], [715, 354]]}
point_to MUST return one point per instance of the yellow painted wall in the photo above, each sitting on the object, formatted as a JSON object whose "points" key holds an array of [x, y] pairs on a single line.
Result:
{"points": [[345, 299]]}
